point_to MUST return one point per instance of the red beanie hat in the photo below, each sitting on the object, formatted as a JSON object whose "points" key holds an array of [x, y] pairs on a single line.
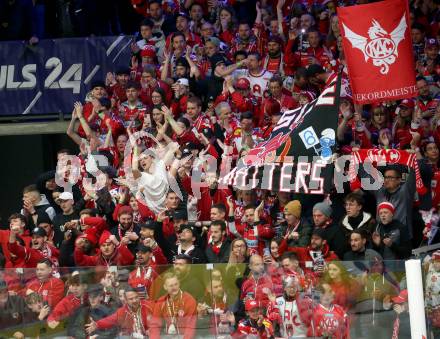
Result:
{"points": [[148, 51], [105, 237], [389, 206], [125, 210]]}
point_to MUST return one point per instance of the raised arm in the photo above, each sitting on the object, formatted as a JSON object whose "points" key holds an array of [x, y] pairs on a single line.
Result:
{"points": [[71, 130]]}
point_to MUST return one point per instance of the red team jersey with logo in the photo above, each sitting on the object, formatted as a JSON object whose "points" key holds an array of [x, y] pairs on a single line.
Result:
{"points": [[332, 322]]}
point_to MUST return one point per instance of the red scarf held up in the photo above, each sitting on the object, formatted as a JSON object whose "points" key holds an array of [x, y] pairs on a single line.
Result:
{"points": [[391, 156]]}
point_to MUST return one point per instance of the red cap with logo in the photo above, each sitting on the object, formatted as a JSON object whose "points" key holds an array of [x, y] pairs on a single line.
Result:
{"points": [[242, 83], [251, 304], [407, 103]]}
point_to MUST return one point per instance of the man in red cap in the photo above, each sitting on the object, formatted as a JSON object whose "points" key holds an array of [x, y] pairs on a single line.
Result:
{"points": [[111, 252], [49, 287], [390, 238], [127, 232], [132, 319], [255, 324]]}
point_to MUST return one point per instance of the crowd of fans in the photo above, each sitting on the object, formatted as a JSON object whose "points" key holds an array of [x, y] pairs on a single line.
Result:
{"points": [[116, 252]]}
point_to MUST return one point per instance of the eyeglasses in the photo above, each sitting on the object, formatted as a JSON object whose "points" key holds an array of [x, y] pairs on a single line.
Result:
{"points": [[388, 177]]}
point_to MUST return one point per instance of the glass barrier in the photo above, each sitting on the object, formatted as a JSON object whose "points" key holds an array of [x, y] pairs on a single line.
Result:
{"points": [[431, 280], [286, 299]]}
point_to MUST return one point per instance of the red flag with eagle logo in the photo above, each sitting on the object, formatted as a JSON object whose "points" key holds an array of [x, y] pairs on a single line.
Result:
{"points": [[378, 50]]}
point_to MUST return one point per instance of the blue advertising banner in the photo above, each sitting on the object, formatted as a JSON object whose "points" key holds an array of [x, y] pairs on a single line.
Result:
{"points": [[49, 77]]}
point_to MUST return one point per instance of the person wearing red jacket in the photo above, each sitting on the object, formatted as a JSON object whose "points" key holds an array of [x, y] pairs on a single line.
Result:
{"points": [[254, 232], [313, 257], [17, 222], [315, 54], [71, 302], [255, 324], [133, 111], [40, 248], [110, 253], [329, 320], [97, 91], [116, 87], [283, 97], [149, 83], [258, 284], [132, 319], [291, 311], [177, 308], [143, 277], [49, 287]]}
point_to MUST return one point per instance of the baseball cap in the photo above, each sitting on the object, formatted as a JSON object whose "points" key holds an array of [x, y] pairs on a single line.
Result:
{"points": [[431, 43], [182, 14], [179, 215], [242, 83], [407, 103], [39, 231], [187, 227], [65, 196], [183, 81], [401, 298], [251, 304], [149, 224], [314, 69]]}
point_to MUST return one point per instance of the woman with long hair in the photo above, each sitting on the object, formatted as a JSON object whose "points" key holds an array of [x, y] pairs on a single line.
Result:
{"points": [[379, 120], [342, 284], [225, 24]]}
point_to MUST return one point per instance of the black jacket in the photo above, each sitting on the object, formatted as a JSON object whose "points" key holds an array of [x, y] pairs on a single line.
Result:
{"points": [[222, 257], [401, 246]]}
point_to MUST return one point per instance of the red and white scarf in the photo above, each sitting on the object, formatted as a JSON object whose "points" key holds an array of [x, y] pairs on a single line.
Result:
{"points": [[378, 156]]}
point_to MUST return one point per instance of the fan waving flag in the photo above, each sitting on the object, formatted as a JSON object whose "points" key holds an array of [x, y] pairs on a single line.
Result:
{"points": [[298, 156], [378, 49]]}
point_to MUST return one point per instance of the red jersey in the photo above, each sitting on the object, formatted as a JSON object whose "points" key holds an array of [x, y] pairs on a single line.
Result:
{"points": [[257, 288], [254, 236], [132, 115], [332, 322], [51, 290]]}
